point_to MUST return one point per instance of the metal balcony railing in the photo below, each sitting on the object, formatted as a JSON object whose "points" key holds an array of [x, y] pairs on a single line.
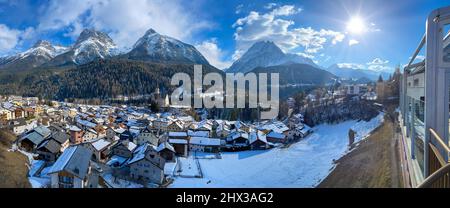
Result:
{"points": [[438, 167]]}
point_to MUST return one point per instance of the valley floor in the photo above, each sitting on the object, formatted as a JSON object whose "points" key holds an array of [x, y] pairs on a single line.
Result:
{"points": [[303, 164]]}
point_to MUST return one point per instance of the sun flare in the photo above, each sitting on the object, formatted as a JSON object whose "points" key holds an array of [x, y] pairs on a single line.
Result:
{"points": [[356, 25]]}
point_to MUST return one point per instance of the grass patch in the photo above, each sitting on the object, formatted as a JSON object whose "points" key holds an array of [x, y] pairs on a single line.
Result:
{"points": [[13, 171]]}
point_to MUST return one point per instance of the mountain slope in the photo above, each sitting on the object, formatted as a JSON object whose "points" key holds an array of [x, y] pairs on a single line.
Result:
{"points": [[299, 74], [351, 73], [100, 79], [90, 45], [40, 53], [94, 45], [155, 47], [264, 54]]}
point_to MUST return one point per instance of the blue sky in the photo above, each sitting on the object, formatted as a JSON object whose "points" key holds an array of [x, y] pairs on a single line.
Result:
{"points": [[223, 30]]}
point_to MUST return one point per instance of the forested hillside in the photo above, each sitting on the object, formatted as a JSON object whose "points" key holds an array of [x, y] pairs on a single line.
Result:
{"points": [[99, 79], [302, 74]]}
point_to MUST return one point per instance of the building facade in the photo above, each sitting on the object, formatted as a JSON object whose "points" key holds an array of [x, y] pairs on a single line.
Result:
{"points": [[424, 101]]}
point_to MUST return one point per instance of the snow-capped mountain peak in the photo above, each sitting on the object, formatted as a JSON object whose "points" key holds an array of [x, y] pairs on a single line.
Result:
{"points": [[42, 43], [92, 44], [41, 52], [265, 54], [43, 48], [160, 48]]}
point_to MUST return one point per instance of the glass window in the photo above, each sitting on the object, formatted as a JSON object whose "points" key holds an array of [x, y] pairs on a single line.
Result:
{"points": [[416, 82], [65, 182], [63, 185], [419, 146], [446, 42], [419, 131], [65, 179]]}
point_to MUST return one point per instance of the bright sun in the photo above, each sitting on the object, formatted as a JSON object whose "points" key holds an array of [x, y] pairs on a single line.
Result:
{"points": [[356, 25]]}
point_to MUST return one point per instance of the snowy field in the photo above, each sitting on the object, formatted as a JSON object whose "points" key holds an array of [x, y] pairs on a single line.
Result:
{"points": [[303, 164], [188, 167]]}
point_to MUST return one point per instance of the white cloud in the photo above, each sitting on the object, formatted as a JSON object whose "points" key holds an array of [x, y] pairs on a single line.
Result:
{"points": [[376, 64], [306, 55], [379, 68], [373, 28], [378, 61], [379, 64], [213, 53], [270, 5], [239, 8], [353, 42], [274, 27], [351, 65], [28, 33], [9, 38], [285, 10], [418, 58], [124, 20]]}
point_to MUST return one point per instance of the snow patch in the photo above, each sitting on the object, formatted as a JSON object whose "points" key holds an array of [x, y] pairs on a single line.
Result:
{"points": [[304, 164]]}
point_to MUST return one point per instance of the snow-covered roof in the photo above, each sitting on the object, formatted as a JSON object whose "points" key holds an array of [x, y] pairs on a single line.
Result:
{"points": [[74, 160], [177, 123], [223, 127], [34, 137], [276, 135], [138, 153], [60, 137], [119, 130], [8, 105], [36, 165], [165, 145], [74, 128], [203, 141], [185, 118], [198, 133], [254, 136], [135, 131], [42, 130], [201, 125], [115, 159], [51, 145], [86, 123], [177, 134], [100, 144], [131, 146], [178, 141], [236, 134], [277, 126], [305, 129], [89, 130]]}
